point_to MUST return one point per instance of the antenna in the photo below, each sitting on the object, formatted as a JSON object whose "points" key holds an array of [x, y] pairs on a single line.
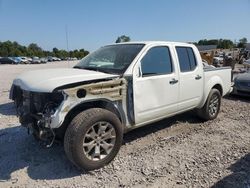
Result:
{"points": [[67, 41]]}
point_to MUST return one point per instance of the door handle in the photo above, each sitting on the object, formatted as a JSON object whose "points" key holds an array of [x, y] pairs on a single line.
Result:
{"points": [[198, 77], [173, 81]]}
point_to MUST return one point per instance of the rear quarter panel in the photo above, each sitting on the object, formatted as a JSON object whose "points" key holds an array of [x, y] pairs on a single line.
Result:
{"points": [[214, 76]]}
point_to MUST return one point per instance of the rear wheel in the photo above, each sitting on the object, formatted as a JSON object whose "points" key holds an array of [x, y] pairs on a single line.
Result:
{"points": [[211, 108], [93, 138]]}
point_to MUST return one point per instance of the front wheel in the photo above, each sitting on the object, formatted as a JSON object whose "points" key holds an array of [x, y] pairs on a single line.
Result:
{"points": [[211, 108], [93, 138]]}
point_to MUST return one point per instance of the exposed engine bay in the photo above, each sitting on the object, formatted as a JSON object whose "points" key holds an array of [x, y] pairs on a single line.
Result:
{"points": [[35, 111]]}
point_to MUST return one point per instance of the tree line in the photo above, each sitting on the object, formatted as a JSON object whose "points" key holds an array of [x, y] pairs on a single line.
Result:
{"points": [[13, 49], [224, 43], [220, 43]]}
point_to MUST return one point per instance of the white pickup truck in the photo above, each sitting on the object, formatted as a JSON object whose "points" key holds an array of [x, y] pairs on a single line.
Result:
{"points": [[113, 90]]}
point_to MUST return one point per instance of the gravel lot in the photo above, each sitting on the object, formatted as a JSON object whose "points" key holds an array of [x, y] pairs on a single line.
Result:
{"points": [[178, 152]]}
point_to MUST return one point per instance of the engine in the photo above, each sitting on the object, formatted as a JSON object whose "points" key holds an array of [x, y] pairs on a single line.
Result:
{"points": [[35, 110]]}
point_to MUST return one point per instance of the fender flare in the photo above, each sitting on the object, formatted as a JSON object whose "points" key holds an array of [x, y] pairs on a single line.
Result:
{"points": [[112, 106], [214, 82]]}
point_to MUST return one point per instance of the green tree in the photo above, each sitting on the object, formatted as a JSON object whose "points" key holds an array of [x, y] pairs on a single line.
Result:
{"points": [[123, 38], [10, 49], [242, 43], [55, 52], [34, 47], [208, 42], [243, 40], [221, 43], [225, 44], [35, 50], [62, 54]]}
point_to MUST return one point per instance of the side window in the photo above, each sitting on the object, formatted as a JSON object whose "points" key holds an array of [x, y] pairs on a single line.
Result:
{"points": [[192, 59], [186, 58], [157, 61]]}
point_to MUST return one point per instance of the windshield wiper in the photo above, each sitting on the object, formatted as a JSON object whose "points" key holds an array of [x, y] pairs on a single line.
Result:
{"points": [[91, 68], [77, 67], [86, 68]]}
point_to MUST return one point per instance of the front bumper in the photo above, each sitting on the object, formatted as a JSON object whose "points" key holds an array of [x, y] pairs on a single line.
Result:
{"points": [[36, 107]]}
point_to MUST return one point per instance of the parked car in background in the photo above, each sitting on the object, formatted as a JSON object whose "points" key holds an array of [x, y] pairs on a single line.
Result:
{"points": [[242, 84], [25, 60], [8, 60], [36, 60], [246, 64], [113, 90], [71, 58], [218, 60], [56, 59], [17, 60], [50, 58], [43, 60]]}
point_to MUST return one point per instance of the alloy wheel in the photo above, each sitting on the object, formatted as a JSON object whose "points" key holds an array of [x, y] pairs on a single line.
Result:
{"points": [[213, 105], [99, 141]]}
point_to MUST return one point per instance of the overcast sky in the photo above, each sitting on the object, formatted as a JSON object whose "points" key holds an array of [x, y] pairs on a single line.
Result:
{"points": [[94, 23]]}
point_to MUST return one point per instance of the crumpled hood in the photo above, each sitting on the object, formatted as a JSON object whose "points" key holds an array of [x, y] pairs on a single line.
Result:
{"points": [[47, 80]]}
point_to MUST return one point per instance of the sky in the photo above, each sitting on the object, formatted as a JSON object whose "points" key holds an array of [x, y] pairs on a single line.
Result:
{"points": [[94, 23]]}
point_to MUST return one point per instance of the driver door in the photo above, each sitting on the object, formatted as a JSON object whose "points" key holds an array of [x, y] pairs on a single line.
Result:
{"points": [[156, 88]]}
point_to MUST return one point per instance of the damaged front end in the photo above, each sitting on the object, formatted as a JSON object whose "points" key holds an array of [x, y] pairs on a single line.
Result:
{"points": [[44, 113], [36, 110]]}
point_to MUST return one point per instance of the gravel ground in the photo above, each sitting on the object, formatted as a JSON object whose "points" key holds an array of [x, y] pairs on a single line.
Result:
{"points": [[178, 152]]}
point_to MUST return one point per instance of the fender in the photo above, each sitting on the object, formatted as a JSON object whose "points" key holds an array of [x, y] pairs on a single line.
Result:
{"points": [[214, 82], [65, 116]]}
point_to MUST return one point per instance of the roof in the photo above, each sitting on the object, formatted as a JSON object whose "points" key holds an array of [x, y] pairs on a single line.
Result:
{"points": [[154, 42]]}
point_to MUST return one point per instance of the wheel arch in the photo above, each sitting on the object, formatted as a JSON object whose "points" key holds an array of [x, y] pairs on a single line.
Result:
{"points": [[100, 103], [214, 83], [219, 88]]}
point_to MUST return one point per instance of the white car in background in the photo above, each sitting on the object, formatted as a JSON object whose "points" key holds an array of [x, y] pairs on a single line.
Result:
{"points": [[36, 60], [25, 60], [246, 64], [218, 60]]}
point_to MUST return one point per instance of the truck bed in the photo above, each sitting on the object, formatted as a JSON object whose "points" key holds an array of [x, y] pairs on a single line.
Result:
{"points": [[222, 73]]}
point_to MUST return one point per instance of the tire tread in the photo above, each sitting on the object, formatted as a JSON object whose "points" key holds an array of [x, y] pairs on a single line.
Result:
{"points": [[82, 119]]}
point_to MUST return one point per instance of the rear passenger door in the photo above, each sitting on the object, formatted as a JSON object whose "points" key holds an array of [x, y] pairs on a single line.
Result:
{"points": [[191, 78]]}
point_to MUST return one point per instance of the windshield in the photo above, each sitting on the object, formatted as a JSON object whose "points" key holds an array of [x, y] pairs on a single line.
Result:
{"points": [[113, 59]]}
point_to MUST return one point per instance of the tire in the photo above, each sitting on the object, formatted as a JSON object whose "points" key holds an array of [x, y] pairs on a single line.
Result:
{"points": [[210, 111], [81, 136]]}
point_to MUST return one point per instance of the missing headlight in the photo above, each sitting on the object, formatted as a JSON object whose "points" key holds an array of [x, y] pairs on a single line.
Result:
{"points": [[41, 100]]}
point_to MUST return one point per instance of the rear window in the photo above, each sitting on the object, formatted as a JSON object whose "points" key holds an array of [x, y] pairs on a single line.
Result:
{"points": [[186, 58]]}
